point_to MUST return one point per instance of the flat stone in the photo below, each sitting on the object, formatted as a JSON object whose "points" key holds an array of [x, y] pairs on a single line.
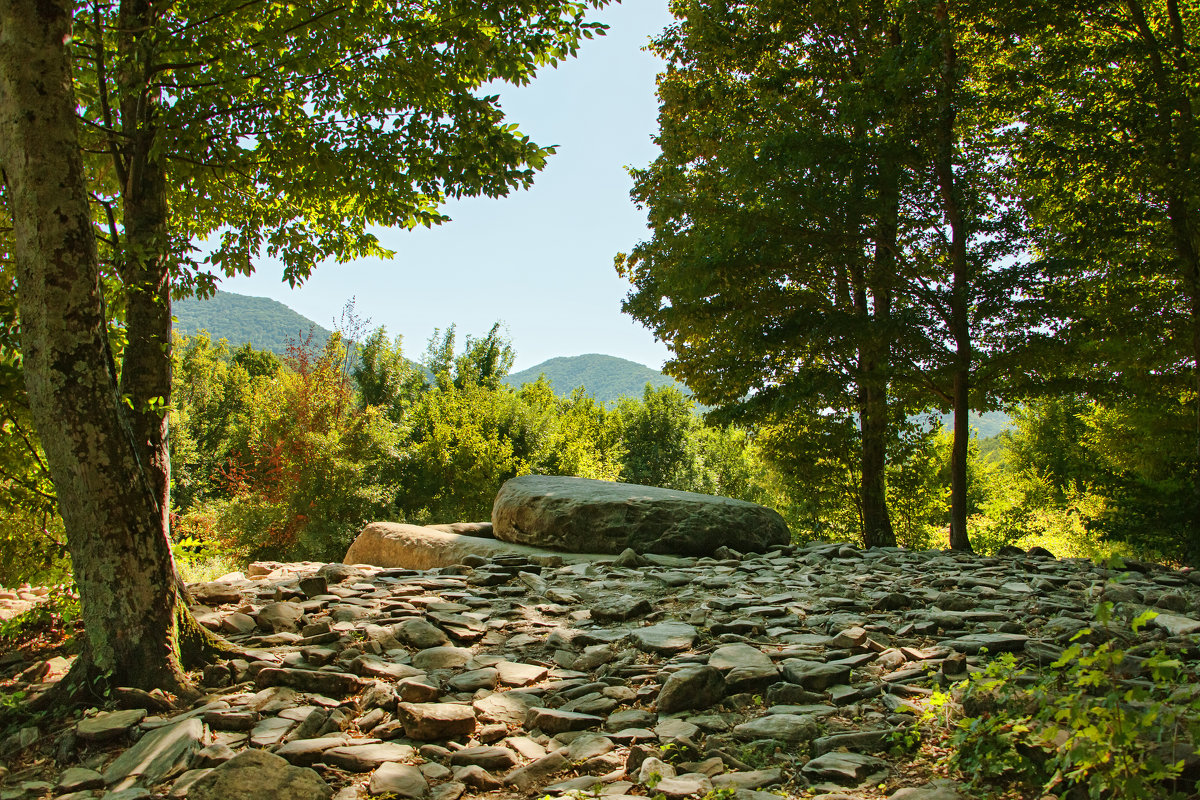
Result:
{"points": [[420, 633], [366, 757], [305, 752], [665, 638], [620, 608], [732, 656], [691, 687], [553, 720], [442, 658], [393, 544], [1176, 625], [939, 789], [580, 515], [430, 721], [843, 768], [992, 642], [284, 616], [108, 725], [262, 776], [270, 731], [814, 675], [752, 779], [159, 754], [77, 779], [402, 780], [475, 679], [785, 727], [513, 673], [684, 785], [490, 758], [336, 684], [510, 708]]}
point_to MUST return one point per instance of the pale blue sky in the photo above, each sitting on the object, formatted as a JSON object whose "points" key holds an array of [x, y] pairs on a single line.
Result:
{"points": [[539, 261]]}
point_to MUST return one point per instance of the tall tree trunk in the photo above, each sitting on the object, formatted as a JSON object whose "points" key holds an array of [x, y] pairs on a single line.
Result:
{"points": [[872, 416], [960, 326], [133, 607], [874, 363], [144, 262]]}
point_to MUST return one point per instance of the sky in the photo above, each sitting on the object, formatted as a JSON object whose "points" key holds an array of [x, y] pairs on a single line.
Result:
{"points": [[539, 261]]}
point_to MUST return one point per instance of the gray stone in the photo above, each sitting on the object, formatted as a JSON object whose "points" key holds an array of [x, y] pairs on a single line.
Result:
{"points": [[76, 779], [336, 684], [420, 633], [691, 687], [784, 727], [1176, 625], [428, 721], [258, 775], [402, 780], [583, 515], [472, 680], [843, 768], [993, 642], [684, 785], [753, 779], [366, 757], [278, 617], [490, 758], [814, 675], [940, 789], [731, 656], [108, 725], [620, 608], [158, 755], [304, 752], [516, 674], [553, 720], [510, 708], [442, 658], [666, 638]]}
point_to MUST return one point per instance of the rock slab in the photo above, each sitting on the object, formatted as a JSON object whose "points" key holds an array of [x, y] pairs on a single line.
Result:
{"points": [[258, 775], [584, 515]]}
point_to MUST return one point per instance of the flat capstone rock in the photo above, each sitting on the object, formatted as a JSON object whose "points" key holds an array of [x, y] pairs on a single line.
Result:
{"points": [[581, 515]]}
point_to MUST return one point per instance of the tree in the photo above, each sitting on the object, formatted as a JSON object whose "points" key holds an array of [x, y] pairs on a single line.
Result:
{"points": [[778, 207], [1108, 154], [272, 128], [139, 632]]}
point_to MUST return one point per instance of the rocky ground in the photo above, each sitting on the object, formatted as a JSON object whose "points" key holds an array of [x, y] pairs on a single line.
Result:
{"points": [[793, 672]]}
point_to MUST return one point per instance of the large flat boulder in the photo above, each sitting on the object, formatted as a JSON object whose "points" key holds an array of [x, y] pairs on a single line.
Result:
{"points": [[583, 515], [392, 544]]}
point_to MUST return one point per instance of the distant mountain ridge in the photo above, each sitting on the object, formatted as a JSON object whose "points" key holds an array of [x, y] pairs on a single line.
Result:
{"points": [[265, 323], [607, 378]]}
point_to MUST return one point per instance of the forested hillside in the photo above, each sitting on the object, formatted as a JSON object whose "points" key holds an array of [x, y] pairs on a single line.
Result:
{"points": [[260, 322], [607, 378]]}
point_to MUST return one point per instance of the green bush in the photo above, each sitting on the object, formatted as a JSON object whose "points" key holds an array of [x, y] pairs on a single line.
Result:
{"points": [[1102, 721]]}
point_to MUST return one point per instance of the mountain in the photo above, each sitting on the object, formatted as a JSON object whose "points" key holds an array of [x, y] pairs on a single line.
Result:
{"points": [[266, 324], [607, 378]]}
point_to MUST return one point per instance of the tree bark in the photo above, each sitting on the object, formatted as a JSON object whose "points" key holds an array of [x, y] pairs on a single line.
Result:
{"points": [[144, 260], [874, 363], [134, 611], [960, 326]]}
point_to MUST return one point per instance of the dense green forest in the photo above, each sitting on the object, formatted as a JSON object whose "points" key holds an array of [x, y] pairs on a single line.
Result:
{"points": [[606, 378], [263, 323]]}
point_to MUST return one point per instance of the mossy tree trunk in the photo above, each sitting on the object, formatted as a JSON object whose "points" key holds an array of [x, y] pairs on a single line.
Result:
{"points": [[139, 631]]}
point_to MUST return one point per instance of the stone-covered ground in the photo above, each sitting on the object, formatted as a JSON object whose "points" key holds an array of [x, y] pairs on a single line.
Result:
{"points": [[793, 672]]}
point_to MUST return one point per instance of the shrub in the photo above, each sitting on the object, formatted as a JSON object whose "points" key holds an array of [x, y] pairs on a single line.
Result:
{"points": [[1102, 720]]}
